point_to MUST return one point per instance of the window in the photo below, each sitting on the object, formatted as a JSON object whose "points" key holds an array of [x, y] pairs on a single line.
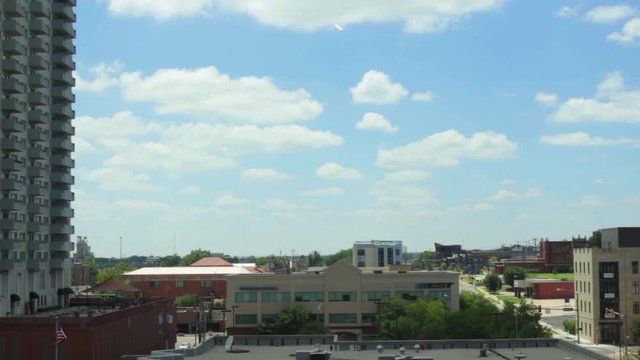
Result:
{"points": [[390, 256], [634, 267], [179, 283], [342, 296], [246, 297], [361, 263], [343, 318], [636, 287], [205, 283], [275, 297], [368, 318], [270, 318], [636, 307], [375, 295], [246, 319], [410, 295], [380, 257], [309, 296], [154, 284], [360, 252], [440, 294]]}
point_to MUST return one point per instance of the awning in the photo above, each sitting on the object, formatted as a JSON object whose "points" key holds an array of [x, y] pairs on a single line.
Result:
{"points": [[14, 297], [33, 295]]}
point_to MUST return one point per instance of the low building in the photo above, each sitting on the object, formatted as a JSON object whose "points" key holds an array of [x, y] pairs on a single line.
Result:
{"points": [[344, 297], [377, 253], [554, 256], [546, 288]]}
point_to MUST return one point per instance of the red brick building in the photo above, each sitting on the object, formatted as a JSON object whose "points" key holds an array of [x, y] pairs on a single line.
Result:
{"points": [[554, 255], [549, 289], [96, 335]]}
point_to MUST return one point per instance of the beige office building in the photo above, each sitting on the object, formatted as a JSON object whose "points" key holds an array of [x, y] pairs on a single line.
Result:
{"points": [[344, 297], [607, 287]]}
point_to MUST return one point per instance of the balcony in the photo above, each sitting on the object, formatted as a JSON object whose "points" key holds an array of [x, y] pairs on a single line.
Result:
{"points": [[63, 144], [38, 99], [33, 245], [11, 224], [6, 264], [57, 194], [37, 135], [37, 117], [11, 165], [39, 27], [63, 44], [62, 93], [63, 11], [38, 63], [14, 8], [38, 81], [35, 265], [36, 190], [13, 86], [61, 246], [39, 8], [7, 244], [12, 124], [37, 153], [39, 45], [13, 27], [61, 229], [63, 61], [11, 205], [62, 126], [11, 185], [56, 263], [36, 209], [14, 46], [63, 212], [63, 76], [11, 145], [12, 67], [64, 28], [64, 161], [36, 227], [62, 110], [37, 172], [13, 105], [60, 177]]}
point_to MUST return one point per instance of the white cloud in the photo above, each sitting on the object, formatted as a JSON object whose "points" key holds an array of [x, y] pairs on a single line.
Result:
{"points": [[403, 197], [283, 205], [504, 195], [447, 149], [546, 98], [609, 14], [584, 139], [407, 176], [566, 12], [376, 87], [123, 124], [337, 172], [590, 200], [188, 190], [375, 121], [507, 182], [104, 76], [230, 201], [322, 192], [208, 94], [264, 175], [422, 96], [612, 103], [533, 192], [630, 32], [418, 16], [117, 179]]}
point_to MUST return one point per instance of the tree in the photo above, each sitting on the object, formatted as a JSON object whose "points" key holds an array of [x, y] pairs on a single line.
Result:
{"points": [[346, 254], [169, 261], [291, 319], [492, 282], [187, 300], [512, 273], [272, 262], [388, 319], [114, 272], [569, 326], [194, 256], [475, 320], [595, 240], [423, 260], [315, 259], [313, 327]]}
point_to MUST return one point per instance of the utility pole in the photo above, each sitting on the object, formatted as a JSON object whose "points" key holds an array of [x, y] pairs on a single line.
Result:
{"points": [[120, 247]]}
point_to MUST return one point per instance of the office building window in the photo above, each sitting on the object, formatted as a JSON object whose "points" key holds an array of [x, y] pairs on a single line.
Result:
{"points": [[270, 318], [390, 257], [179, 283], [343, 318], [309, 296], [246, 297], [360, 252], [381, 257], [636, 287], [440, 294], [636, 307], [205, 283], [634, 267], [342, 296], [375, 295], [246, 319], [409, 295], [368, 318], [361, 263], [276, 297]]}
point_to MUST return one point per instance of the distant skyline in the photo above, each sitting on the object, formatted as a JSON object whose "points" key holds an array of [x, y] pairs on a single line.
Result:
{"points": [[254, 127]]}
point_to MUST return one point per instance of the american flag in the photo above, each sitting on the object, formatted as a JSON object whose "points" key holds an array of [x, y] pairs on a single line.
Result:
{"points": [[60, 335]]}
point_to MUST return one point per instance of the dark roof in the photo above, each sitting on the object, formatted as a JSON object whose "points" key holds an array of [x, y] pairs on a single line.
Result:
{"points": [[113, 285]]}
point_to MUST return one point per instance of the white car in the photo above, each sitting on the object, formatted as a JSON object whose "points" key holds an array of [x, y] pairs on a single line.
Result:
{"points": [[184, 345]]}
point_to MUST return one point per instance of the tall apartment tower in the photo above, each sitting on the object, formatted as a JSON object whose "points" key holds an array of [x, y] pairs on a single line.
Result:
{"points": [[35, 228]]}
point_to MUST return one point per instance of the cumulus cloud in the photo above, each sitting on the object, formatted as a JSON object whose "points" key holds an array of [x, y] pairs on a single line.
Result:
{"points": [[229, 200], [104, 76], [123, 124], [403, 196], [335, 171], [375, 121], [407, 176], [447, 149], [422, 96], [208, 94], [612, 103], [591, 200], [376, 87], [264, 175], [503, 195], [191, 189], [283, 205], [609, 14], [322, 192], [584, 139], [546, 98], [507, 182], [117, 179], [629, 33], [417, 16], [566, 12]]}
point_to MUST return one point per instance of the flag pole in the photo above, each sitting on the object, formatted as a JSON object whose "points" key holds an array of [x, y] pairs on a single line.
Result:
{"points": [[56, 339]]}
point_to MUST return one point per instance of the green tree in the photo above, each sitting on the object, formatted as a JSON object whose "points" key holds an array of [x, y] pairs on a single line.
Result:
{"points": [[194, 256], [114, 272], [475, 320], [272, 262], [313, 327], [291, 319], [492, 282], [169, 261], [315, 259], [512, 273], [187, 300], [569, 326], [595, 240], [388, 321], [346, 254], [425, 319], [423, 260]]}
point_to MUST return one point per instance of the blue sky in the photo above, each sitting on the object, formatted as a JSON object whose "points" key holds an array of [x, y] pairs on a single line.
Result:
{"points": [[254, 127]]}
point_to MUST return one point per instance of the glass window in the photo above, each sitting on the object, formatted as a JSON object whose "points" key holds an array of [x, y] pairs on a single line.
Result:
{"points": [[205, 283], [179, 283], [440, 294], [375, 295], [275, 297], [360, 252], [246, 297], [636, 287], [270, 318], [154, 284], [342, 296], [309, 296], [368, 318], [343, 318], [410, 295], [636, 307], [634, 267], [245, 319]]}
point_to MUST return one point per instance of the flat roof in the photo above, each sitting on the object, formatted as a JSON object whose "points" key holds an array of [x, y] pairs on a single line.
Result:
{"points": [[190, 270]]}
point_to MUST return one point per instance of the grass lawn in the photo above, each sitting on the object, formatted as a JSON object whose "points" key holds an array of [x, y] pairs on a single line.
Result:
{"points": [[559, 276], [511, 299]]}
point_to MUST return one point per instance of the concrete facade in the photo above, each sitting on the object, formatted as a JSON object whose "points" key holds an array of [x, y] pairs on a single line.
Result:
{"points": [[35, 227], [607, 285], [377, 253], [344, 297]]}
